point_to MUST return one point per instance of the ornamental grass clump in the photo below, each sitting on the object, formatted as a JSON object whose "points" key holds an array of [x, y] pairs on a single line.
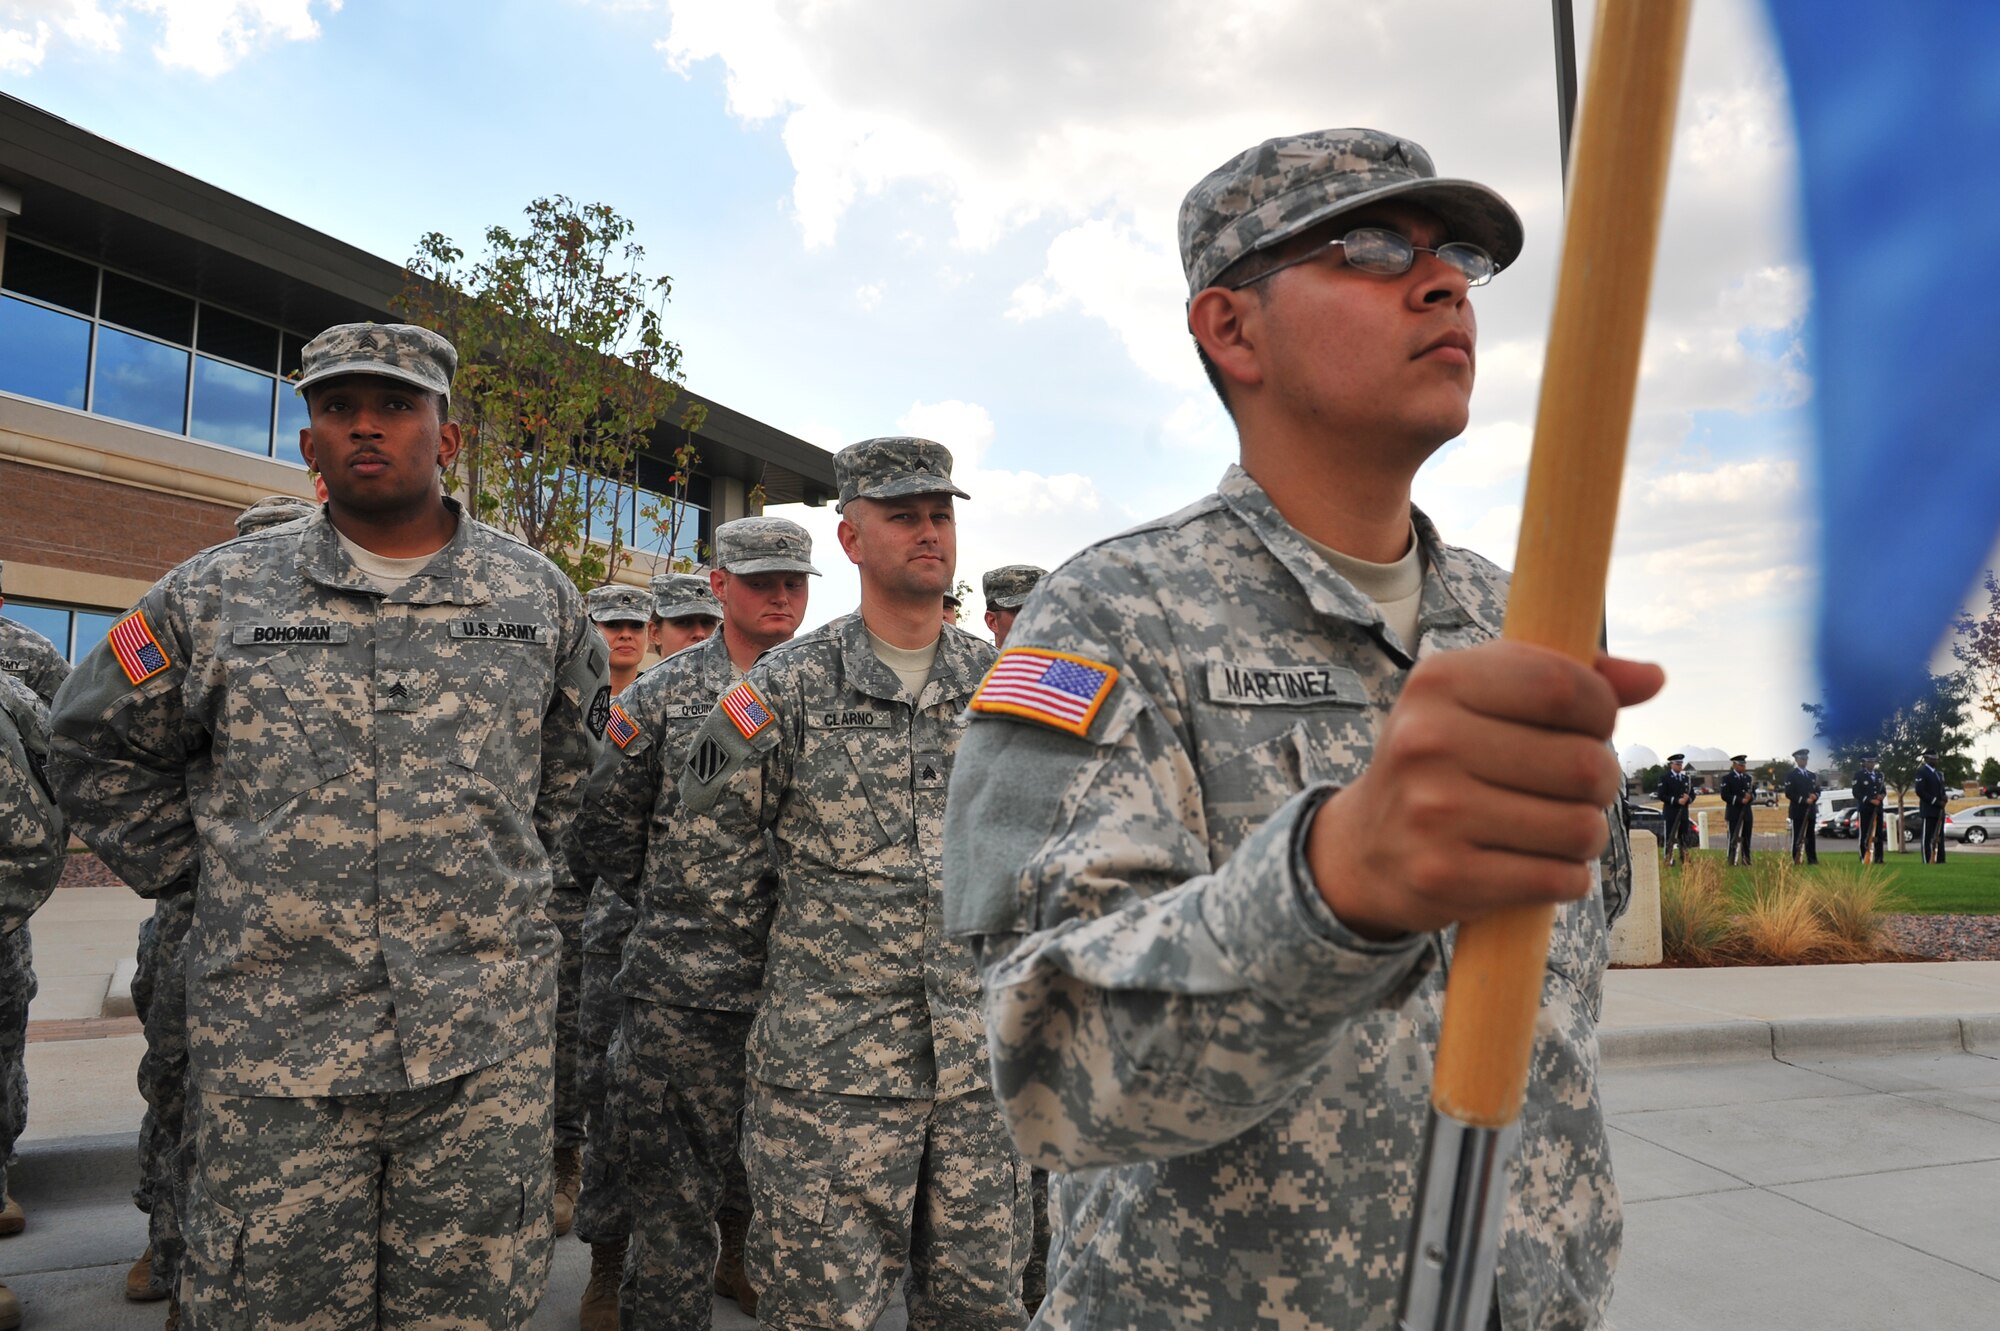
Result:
{"points": [[1783, 923], [1694, 913], [1851, 898]]}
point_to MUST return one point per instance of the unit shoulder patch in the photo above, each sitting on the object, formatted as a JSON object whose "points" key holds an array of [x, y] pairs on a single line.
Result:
{"points": [[139, 653], [746, 711], [1054, 688]]}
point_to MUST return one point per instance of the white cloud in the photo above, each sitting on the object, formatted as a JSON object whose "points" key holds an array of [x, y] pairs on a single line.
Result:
{"points": [[208, 37], [1488, 455], [868, 295]]}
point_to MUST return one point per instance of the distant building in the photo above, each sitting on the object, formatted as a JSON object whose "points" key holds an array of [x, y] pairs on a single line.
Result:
{"points": [[147, 321]]}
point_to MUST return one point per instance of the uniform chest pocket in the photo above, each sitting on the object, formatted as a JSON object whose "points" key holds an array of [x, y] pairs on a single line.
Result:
{"points": [[857, 786], [282, 737], [1251, 775]]}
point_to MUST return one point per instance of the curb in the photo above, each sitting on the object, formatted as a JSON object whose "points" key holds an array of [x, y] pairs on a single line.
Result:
{"points": [[61, 1166], [1801, 1039]]}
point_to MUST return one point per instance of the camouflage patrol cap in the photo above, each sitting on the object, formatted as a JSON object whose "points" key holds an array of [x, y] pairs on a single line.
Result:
{"points": [[273, 511], [616, 603], [1282, 186], [893, 468], [1007, 587], [684, 596], [763, 545], [391, 351]]}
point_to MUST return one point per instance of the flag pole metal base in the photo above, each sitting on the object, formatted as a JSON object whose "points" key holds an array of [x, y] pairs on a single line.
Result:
{"points": [[1461, 1197]]}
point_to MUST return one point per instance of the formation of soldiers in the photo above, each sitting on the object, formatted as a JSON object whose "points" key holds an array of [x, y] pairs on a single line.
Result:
{"points": [[1091, 975], [1802, 790]]}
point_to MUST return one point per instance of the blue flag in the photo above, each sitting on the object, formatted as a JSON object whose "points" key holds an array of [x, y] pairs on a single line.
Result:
{"points": [[1898, 111]]}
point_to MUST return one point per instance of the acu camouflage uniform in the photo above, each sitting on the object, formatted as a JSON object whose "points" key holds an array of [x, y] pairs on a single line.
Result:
{"points": [[159, 996], [32, 839], [871, 1133], [692, 963], [1231, 1085], [366, 788], [31, 658]]}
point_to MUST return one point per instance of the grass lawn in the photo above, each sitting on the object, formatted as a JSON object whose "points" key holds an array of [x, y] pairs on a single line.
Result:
{"points": [[1962, 885]]}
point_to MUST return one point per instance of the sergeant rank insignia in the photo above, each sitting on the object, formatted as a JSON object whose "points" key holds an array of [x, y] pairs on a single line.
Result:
{"points": [[1054, 688], [621, 730], [746, 710], [139, 653]]}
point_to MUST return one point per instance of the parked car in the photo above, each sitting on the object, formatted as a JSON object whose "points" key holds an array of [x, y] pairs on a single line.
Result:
{"points": [[1765, 798], [1976, 825], [1846, 823], [1913, 824], [1649, 818]]}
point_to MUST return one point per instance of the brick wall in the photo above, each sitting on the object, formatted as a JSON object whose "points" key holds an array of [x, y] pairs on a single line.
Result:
{"points": [[93, 526]]}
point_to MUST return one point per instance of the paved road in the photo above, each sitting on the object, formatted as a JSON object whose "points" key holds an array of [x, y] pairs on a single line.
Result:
{"points": [[1846, 1195]]}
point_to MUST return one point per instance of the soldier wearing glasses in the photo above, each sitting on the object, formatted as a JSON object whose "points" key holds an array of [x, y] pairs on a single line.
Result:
{"points": [[1737, 788], [1931, 795], [1180, 833]]}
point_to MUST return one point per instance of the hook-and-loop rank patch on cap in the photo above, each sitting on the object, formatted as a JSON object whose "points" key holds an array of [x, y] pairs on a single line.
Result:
{"points": [[1054, 688]]}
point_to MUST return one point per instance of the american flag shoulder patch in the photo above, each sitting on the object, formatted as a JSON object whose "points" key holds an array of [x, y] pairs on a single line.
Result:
{"points": [[139, 653], [746, 710], [620, 728], [1054, 688]]}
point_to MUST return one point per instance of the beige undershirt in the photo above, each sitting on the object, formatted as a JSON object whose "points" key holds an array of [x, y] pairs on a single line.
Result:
{"points": [[912, 667], [386, 574], [1396, 589]]}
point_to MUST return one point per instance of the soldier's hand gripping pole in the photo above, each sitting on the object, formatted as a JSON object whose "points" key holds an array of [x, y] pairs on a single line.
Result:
{"points": [[1617, 185]]}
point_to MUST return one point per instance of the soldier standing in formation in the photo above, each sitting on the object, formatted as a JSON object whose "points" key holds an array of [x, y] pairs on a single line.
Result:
{"points": [[29, 657], [1870, 790], [871, 1135], [694, 961], [1931, 795], [365, 733], [32, 659], [684, 612], [1005, 590], [1802, 806], [159, 998], [1738, 790], [1676, 793], [1208, 828], [31, 860], [680, 611]]}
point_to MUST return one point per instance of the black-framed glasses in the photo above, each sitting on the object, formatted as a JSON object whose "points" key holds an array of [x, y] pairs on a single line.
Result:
{"points": [[1374, 249]]}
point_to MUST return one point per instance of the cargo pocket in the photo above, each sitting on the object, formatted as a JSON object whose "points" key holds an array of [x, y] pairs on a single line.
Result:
{"points": [[214, 1237]]}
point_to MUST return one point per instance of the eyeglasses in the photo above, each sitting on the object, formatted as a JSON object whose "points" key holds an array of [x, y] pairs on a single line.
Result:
{"points": [[1375, 250]]}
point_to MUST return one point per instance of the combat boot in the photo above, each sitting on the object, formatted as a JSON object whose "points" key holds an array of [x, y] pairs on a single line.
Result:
{"points": [[12, 1218], [600, 1293], [569, 1182], [141, 1284], [10, 1309], [730, 1278]]}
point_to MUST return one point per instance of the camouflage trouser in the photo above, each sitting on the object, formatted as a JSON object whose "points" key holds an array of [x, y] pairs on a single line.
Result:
{"points": [[565, 912], [17, 989], [681, 1097], [601, 1213], [846, 1188], [419, 1208], [1035, 1280], [159, 993]]}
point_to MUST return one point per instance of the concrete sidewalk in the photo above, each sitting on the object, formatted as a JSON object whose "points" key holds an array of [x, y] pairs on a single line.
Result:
{"points": [[1812, 1146]]}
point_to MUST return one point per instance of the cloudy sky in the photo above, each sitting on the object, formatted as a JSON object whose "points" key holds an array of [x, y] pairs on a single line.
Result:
{"points": [[957, 220]]}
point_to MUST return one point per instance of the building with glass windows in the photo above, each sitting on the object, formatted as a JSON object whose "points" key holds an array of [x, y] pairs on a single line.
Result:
{"points": [[147, 322]]}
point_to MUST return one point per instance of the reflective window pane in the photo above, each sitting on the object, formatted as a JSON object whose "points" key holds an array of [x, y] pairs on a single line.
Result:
{"points": [[91, 629], [43, 354], [231, 406], [236, 338], [292, 417], [46, 275], [140, 381], [46, 620], [145, 308]]}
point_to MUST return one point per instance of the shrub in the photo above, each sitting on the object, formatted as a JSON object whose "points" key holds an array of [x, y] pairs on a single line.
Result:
{"points": [[1851, 898], [1782, 921]]}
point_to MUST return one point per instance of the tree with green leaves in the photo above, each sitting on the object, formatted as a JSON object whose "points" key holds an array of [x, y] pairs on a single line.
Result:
{"points": [[1976, 644], [1989, 774], [1935, 719], [565, 370]]}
